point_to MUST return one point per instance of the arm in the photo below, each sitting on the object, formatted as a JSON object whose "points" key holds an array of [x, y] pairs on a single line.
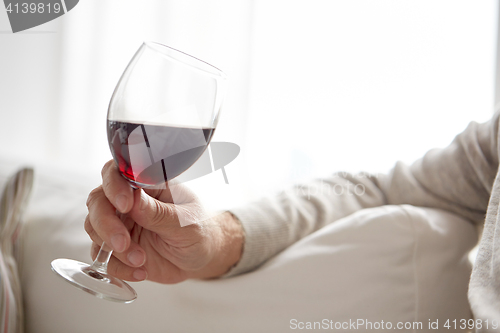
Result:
{"points": [[457, 178], [153, 244]]}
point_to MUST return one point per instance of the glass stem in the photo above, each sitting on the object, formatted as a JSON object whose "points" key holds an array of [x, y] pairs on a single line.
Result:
{"points": [[101, 261]]}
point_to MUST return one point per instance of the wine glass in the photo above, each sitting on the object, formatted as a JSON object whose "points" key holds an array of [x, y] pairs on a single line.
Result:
{"points": [[161, 118]]}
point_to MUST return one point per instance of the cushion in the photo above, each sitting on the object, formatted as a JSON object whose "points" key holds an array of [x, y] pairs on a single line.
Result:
{"points": [[14, 200], [396, 264]]}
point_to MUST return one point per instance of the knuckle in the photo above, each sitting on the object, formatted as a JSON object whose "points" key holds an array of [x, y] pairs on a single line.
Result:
{"points": [[94, 195], [98, 224], [90, 230], [87, 226], [106, 183], [159, 212], [106, 167], [94, 249], [166, 217]]}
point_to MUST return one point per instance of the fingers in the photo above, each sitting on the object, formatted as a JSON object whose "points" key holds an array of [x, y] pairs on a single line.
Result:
{"points": [[91, 232], [120, 270], [116, 188], [103, 223], [134, 257]]}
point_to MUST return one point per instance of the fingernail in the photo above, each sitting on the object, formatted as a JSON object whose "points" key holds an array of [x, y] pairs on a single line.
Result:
{"points": [[118, 243], [144, 200], [140, 274], [121, 203], [136, 258]]}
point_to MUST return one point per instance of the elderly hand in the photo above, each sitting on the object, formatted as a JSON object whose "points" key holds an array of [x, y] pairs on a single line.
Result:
{"points": [[143, 227]]}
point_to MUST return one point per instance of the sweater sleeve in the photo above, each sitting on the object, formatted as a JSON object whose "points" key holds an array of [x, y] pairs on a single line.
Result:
{"points": [[457, 178]]}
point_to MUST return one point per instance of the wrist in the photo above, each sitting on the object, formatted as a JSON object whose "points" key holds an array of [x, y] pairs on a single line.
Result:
{"points": [[230, 239], [235, 239]]}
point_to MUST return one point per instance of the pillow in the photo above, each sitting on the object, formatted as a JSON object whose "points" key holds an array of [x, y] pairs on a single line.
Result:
{"points": [[14, 200], [397, 264]]}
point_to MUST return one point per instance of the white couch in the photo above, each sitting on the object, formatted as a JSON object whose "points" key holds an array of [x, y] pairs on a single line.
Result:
{"points": [[393, 264]]}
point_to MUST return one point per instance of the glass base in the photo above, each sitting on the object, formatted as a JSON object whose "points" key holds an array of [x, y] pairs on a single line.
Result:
{"points": [[94, 282]]}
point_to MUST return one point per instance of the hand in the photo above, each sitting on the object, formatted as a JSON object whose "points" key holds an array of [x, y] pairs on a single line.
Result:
{"points": [[143, 227]]}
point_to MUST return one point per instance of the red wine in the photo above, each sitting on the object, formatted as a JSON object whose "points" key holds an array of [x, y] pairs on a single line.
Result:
{"points": [[153, 154]]}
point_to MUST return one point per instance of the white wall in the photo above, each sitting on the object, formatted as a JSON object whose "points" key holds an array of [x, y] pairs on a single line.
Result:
{"points": [[358, 85], [316, 86]]}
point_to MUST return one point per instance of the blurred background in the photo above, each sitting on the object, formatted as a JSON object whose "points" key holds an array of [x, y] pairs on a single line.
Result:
{"points": [[315, 86]]}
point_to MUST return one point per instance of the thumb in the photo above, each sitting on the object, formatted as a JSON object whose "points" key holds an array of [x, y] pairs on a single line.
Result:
{"points": [[153, 214]]}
